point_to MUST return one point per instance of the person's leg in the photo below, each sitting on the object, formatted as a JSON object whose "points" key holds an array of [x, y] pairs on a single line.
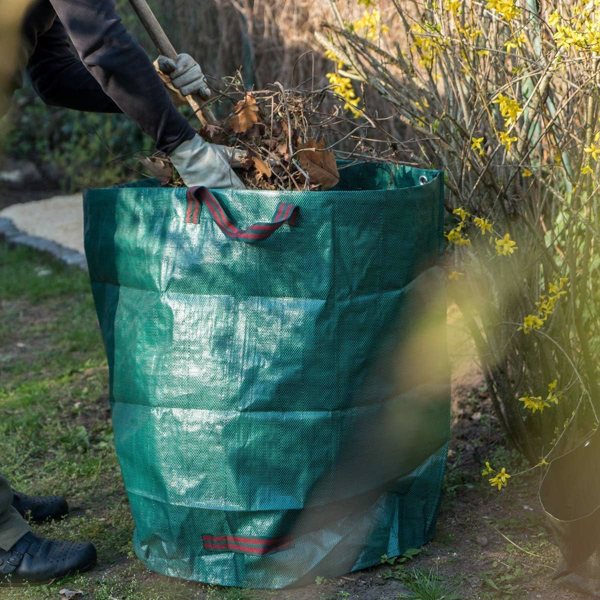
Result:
{"points": [[28, 558], [12, 525]]}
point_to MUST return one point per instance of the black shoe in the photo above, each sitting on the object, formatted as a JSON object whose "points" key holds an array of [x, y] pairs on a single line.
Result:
{"points": [[36, 560], [40, 508]]}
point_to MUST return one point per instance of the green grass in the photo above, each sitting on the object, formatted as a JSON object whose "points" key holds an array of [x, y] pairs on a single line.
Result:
{"points": [[427, 585]]}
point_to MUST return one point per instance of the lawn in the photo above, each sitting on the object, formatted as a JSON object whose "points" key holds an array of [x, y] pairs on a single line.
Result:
{"points": [[55, 438]]}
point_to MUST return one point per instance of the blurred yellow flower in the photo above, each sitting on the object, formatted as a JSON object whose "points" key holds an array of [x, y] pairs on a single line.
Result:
{"points": [[531, 323], [534, 403], [456, 237], [593, 150], [552, 395], [427, 42], [554, 19], [488, 469], [369, 25], [587, 170], [527, 173], [507, 140], [515, 42], [469, 32], [461, 213], [507, 9], [453, 6], [505, 246], [331, 55], [483, 225], [455, 275], [545, 306], [477, 145], [558, 287]]}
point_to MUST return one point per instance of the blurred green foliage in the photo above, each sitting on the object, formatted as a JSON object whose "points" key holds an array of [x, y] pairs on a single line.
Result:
{"points": [[73, 149]]}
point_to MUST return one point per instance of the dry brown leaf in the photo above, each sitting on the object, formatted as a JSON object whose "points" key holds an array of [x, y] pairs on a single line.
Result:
{"points": [[319, 163], [283, 149], [262, 168], [215, 134], [158, 167], [245, 115]]}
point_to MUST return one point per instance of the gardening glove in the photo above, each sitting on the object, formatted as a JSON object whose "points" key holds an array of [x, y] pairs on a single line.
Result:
{"points": [[186, 75], [201, 163]]}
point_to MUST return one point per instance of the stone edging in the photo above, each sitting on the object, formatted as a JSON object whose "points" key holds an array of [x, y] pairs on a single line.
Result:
{"points": [[12, 235]]}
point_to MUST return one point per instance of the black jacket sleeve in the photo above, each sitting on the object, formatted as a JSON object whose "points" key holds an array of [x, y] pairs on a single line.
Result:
{"points": [[60, 78], [122, 69]]}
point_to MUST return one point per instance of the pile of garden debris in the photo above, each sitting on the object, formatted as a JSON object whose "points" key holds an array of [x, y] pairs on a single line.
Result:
{"points": [[283, 139]]}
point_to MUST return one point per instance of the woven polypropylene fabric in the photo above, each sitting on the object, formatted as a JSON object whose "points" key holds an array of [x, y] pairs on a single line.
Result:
{"points": [[274, 418]]}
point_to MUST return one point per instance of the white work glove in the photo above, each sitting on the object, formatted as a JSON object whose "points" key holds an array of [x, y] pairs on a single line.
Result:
{"points": [[186, 75], [200, 163]]}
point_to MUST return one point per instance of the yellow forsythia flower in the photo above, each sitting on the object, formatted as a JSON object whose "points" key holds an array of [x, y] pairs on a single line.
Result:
{"points": [[527, 173], [534, 403], [531, 323], [559, 286], [342, 86], [537, 403], [470, 32], [505, 8], [477, 145], [488, 469], [453, 6], [554, 19], [507, 140], [369, 25], [510, 109], [456, 237], [593, 150], [587, 170], [505, 246], [516, 42], [500, 480], [428, 42], [545, 306], [552, 396], [331, 55], [483, 225], [461, 213]]}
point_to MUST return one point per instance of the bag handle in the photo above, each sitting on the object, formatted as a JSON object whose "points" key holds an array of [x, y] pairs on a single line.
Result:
{"points": [[196, 196]]}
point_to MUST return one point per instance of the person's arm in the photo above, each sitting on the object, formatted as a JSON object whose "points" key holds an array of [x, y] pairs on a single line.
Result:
{"points": [[60, 78], [122, 69]]}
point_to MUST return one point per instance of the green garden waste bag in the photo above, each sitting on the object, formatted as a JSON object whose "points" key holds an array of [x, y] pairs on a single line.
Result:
{"points": [[278, 371]]}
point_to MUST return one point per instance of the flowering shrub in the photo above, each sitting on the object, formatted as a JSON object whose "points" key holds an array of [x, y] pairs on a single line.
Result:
{"points": [[503, 96]]}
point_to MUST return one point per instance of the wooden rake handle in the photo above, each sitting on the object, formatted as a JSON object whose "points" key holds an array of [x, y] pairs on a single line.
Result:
{"points": [[165, 47]]}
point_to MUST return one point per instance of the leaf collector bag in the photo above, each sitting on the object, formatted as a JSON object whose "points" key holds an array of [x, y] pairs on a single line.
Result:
{"points": [[278, 371]]}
